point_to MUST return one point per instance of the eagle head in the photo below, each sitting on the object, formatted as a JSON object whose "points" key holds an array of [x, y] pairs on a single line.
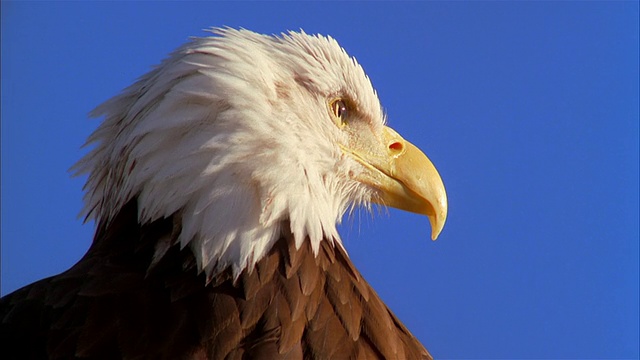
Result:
{"points": [[242, 134]]}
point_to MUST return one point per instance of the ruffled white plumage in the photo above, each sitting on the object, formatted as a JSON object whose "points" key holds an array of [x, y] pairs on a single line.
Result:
{"points": [[233, 132]]}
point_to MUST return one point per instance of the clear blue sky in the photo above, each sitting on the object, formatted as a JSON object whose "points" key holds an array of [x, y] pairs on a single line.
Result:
{"points": [[528, 109]]}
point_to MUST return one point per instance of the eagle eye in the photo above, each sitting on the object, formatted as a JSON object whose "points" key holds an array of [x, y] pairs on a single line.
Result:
{"points": [[340, 112]]}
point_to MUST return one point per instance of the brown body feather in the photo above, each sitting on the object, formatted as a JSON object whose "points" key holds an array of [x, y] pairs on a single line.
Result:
{"points": [[121, 302]]}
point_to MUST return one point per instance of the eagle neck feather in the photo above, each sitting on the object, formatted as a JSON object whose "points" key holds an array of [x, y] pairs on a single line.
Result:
{"points": [[318, 304]]}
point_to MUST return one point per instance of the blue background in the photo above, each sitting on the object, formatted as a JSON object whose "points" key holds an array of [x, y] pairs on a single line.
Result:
{"points": [[529, 111]]}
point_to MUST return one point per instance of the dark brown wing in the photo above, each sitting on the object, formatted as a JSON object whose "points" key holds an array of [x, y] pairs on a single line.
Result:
{"points": [[121, 302]]}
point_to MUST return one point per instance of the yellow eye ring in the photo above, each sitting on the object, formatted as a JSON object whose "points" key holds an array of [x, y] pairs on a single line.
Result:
{"points": [[340, 112]]}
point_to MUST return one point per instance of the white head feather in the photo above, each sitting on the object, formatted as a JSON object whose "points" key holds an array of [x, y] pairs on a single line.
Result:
{"points": [[234, 133]]}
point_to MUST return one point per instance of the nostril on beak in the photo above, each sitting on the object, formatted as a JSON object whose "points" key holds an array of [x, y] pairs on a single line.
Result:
{"points": [[396, 147]]}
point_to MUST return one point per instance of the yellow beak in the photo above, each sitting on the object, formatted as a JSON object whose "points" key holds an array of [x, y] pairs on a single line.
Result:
{"points": [[405, 177]]}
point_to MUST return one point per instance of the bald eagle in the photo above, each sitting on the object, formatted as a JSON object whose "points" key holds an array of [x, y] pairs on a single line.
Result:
{"points": [[216, 182]]}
